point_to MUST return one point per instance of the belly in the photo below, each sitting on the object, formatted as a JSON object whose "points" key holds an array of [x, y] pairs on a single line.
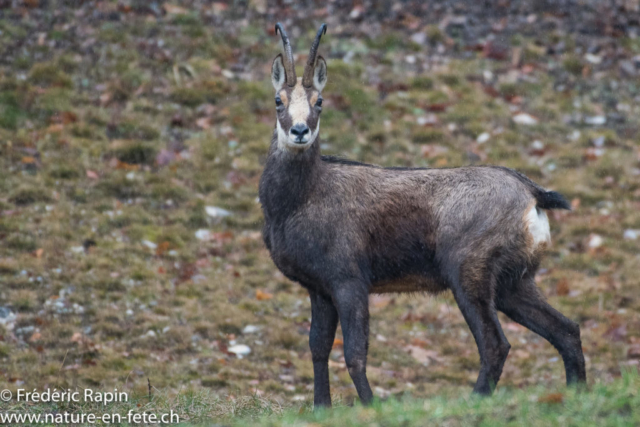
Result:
{"points": [[408, 284]]}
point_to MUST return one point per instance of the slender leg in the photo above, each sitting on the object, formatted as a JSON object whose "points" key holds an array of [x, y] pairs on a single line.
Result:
{"points": [[352, 302], [475, 301], [324, 321], [525, 305]]}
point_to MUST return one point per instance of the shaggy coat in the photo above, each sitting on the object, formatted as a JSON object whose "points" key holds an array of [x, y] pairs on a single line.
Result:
{"points": [[344, 230]]}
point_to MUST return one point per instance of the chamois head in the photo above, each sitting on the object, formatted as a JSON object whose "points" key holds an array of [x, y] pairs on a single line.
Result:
{"points": [[298, 101]]}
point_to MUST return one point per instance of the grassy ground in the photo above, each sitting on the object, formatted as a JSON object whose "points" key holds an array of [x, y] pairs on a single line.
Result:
{"points": [[122, 131], [613, 404]]}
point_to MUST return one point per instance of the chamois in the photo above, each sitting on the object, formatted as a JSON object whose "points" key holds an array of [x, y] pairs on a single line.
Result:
{"points": [[344, 230]]}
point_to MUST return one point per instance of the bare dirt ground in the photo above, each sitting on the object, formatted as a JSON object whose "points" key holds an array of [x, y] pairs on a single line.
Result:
{"points": [[132, 137]]}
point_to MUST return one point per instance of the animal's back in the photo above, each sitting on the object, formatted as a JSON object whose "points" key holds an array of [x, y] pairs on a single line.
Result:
{"points": [[403, 224]]}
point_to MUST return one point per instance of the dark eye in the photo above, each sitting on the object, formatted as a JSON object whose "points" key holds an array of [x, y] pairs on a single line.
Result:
{"points": [[319, 102], [278, 101]]}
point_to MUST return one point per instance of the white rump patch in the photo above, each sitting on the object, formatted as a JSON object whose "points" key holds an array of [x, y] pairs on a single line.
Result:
{"points": [[538, 223]]}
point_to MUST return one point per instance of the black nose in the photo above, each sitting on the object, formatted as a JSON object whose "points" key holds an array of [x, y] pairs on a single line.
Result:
{"points": [[299, 130]]}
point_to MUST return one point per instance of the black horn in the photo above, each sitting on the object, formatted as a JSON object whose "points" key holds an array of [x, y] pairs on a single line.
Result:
{"points": [[307, 77], [288, 56]]}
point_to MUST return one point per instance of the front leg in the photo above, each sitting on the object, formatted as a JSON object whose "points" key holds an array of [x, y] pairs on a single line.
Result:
{"points": [[351, 298], [324, 321]]}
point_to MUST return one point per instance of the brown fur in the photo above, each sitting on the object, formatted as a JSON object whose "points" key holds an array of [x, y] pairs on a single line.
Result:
{"points": [[344, 229]]}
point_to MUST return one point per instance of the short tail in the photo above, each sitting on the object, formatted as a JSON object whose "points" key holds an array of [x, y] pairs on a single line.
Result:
{"points": [[546, 199], [551, 200]]}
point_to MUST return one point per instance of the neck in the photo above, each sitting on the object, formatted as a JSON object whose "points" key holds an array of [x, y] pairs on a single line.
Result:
{"points": [[288, 178]]}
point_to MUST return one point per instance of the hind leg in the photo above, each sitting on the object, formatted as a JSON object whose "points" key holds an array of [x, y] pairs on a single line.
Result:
{"points": [[474, 296], [524, 304], [352, 302]]}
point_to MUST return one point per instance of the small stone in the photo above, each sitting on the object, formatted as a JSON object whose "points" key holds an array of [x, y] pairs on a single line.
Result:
{"points": [[356, 12], [595, 120], [250, 329], [537, 148], [628, 68], [599, 141], [630, 234], [575, 135], [149, 244], [429, 119], [286, 378], [382, 393], [203, 234], [419, 38], [593, 59], [483, 137], [216, 212], [7, 318], [537, 145], [525, 119], [595, 241], [239, 350]]}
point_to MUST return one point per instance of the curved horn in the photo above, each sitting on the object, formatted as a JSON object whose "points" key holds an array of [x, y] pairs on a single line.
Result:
{"points": [[307, 77], [289, 66]]}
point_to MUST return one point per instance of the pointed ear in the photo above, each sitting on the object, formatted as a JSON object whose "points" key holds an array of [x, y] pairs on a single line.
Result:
{"points": [[278, 74], [320, 74]]}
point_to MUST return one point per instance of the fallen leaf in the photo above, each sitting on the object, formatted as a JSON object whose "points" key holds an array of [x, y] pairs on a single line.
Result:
{"points": [[513, 327], [105, 98], [552, 398], [162, 248], [126, 166], [76, 337], [616, 333], [575, 203], [592, 153], [68, 117], [562, 287], [431, 150], [337, 343], [263, 296], [437, 107], [173, 9], [204, 123], [379, 301], [421, 355], [38, 252], [495, 50], [28, 160], [35, 337]]}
